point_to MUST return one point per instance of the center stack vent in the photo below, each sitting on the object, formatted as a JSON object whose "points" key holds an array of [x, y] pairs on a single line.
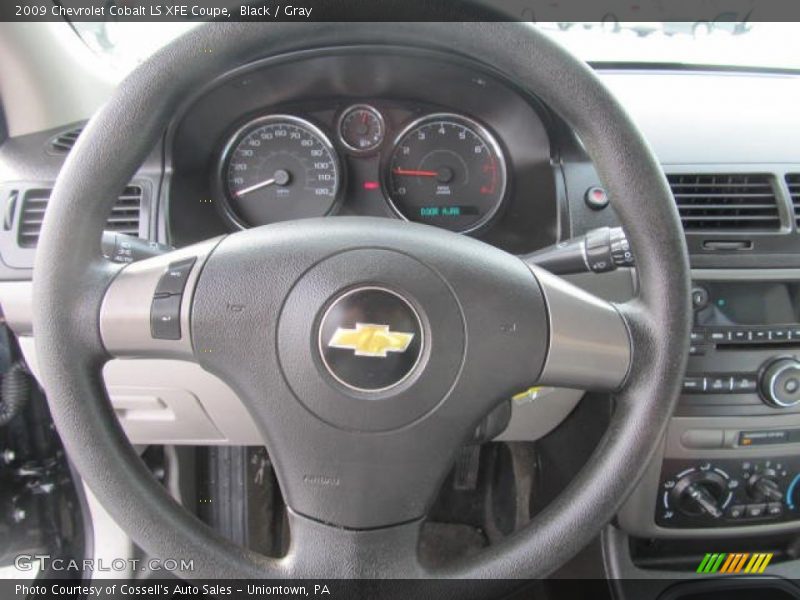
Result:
{"points": [[721, 203], [793, 182]]}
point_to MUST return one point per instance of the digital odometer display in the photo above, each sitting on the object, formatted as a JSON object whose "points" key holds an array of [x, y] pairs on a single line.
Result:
{"points": [[279, 168], [446, 170]]}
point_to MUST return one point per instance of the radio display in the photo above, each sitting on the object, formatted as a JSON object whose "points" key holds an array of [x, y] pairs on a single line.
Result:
{"points": [[750, 303]]}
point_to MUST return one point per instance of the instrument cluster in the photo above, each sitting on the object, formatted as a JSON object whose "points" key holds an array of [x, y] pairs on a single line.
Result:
{"points": [[404, 133], [438, 168]]}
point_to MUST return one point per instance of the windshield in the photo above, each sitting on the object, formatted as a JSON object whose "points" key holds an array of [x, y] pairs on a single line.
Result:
{"points": [[126, 44], [735, 44]]}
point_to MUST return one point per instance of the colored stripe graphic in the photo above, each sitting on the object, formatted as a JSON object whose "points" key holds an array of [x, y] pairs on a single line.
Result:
{"points": [[740, 564], [758, 563], [735, 562], [711, 563], [702, 567], [727, 566]]}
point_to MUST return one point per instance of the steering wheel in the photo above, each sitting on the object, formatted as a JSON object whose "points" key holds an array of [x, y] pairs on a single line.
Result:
{"points": [[366, 350]]}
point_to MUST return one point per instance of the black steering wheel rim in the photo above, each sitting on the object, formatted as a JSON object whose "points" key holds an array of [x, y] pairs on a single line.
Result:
{"points": [[69, 288]]}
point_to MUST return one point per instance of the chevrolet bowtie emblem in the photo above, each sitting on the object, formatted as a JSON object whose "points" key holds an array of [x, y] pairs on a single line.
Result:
{"points": [[368, 339]]}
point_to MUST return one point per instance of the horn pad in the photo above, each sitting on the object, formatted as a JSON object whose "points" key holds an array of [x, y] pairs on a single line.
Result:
{"points": [[371, 339]]}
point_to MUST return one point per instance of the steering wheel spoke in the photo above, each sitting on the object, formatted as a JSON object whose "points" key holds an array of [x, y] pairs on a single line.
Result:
{"points": [[146, 308], [590, 345]]}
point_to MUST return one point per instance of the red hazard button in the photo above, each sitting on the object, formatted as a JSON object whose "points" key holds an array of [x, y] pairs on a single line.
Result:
{"points": [[596, 198]]}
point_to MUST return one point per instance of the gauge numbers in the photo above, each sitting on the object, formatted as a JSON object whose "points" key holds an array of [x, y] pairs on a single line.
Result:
{"points": [[446, 170], [279, 168]]}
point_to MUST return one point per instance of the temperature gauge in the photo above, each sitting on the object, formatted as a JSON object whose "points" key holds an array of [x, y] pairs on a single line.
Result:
{"points": [[361, 128]]}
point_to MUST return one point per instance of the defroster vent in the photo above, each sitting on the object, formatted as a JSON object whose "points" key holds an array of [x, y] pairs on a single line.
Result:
{"points": [[64, 142]]}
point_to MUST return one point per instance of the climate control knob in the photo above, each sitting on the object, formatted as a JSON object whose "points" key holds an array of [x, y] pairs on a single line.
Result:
{"points": [[763, 488], [700, 493], [780, 383]]}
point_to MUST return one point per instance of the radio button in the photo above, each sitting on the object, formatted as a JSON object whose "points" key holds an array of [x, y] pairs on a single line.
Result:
{"points": [[744, 384], [695, 350], [699, 335], [717, 385], [699, 297], [740, 335], [780, 383], [759, 335], [779, 335], [694, 385], [718, 336]]}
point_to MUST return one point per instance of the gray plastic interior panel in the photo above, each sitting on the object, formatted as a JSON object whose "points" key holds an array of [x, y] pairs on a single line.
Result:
{"points": [[171, 402], [164, 401]]}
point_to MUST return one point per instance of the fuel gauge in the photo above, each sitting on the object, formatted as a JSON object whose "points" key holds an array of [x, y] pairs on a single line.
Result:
{"points": [[361, 128]]}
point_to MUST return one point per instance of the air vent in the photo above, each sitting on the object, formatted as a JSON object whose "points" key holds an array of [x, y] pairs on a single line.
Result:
{"points": [[124, 216], [64, 142], [726, 202], [793, 181]]}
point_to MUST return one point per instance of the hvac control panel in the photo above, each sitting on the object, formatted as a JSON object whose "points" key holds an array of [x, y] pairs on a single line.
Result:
{"points": [[728, 492]]}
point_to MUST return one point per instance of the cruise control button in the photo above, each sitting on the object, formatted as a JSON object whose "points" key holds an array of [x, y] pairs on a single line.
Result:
{"points": [[756, 510], [165, 318], [173, 281]]}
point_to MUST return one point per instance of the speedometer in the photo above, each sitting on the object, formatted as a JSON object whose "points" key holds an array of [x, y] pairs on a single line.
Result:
{"points": [[446, 170], [279, 168]]}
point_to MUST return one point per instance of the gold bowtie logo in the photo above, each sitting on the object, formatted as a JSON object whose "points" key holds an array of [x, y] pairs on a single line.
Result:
{"points": [[368, 339]]}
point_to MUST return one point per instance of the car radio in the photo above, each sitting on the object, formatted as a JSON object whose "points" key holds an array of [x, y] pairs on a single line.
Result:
{"points": [[745, 349]]}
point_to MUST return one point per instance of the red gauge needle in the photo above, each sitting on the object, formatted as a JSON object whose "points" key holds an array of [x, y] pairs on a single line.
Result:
{"points": [[415, 173]]}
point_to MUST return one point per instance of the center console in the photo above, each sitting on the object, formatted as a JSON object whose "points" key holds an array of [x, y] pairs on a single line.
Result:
{"points": [[730, 463]]}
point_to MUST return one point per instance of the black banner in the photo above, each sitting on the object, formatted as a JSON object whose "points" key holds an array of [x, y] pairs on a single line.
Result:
{"points": [[690, 586], [718, 11]]}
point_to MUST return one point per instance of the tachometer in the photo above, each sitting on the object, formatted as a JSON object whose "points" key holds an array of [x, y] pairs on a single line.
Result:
{"points": [[279, 168], [446, 170]]}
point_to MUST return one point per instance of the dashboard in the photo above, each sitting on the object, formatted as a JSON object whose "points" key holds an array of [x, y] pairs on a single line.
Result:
{"points": [[381, 132], [440, 139]]}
